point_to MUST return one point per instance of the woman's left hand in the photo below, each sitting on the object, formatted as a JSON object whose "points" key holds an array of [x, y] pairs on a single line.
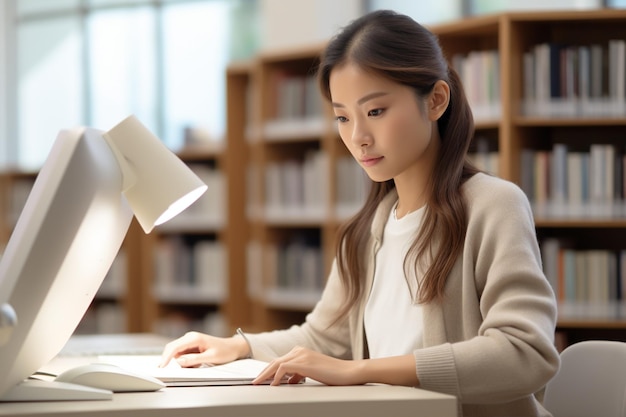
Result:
{"points": [[300, 363]]}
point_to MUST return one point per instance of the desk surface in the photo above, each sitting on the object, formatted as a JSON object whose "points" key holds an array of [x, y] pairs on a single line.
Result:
{"points": [[302, 400], [290, 400]]}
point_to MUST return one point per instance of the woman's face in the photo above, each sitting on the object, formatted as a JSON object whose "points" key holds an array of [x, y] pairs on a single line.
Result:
{"points": [[384, 125]]}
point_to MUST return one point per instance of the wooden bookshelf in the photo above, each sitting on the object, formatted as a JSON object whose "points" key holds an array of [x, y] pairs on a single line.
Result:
{"points": [[519, 130], [239, 95], [505, 135], [285, 135]]}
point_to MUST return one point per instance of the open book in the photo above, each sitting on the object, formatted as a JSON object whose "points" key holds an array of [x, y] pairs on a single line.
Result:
{"points": [[240, 372]]}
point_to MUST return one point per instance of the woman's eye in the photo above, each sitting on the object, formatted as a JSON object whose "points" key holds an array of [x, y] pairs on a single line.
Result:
{"points": [[341, 119], [375, 112]]}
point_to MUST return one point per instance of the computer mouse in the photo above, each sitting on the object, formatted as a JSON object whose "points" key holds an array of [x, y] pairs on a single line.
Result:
{"points": [[109, 377]]}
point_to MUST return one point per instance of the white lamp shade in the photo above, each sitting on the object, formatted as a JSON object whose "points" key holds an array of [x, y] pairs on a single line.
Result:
{"points": [[157, 184]]}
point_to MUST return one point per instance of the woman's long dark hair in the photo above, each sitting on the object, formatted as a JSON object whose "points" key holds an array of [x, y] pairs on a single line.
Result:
{"points": [[396, 47]]}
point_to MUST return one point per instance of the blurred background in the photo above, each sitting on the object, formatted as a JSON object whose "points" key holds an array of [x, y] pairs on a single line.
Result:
{"points": [[66, 63]]}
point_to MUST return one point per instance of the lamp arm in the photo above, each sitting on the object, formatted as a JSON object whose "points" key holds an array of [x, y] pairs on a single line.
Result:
{"points": [[128, 175]]}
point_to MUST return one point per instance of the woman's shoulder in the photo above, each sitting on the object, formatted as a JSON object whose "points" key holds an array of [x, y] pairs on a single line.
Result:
{"points": [[484, 190]]}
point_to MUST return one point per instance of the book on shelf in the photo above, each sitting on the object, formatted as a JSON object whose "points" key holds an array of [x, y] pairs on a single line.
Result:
{"points": [[480, 74], [297, 96], [568, 182], [587, 276], [292, 267], [298, 110], [190, 272], [299, 264], [103, 318], [297, 189], [484, 157], [201, 139], [352, 186], [176, 323], [255, 267], [575, 80]]}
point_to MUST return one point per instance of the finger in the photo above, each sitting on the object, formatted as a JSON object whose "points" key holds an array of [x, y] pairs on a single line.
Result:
{"points": [[167, 356], [177, 347], [192, 360], [169, 352], [265, 374], [279, 374], [295, 379]]}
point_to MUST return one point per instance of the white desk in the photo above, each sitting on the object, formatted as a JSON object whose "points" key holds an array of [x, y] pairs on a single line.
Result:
{"points": [[245, 401], [301, 400]]}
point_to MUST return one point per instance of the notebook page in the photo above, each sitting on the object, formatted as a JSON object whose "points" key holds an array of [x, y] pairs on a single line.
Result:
{"points": [[242, 371]]}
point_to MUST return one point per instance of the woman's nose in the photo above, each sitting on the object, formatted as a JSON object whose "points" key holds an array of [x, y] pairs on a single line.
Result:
{"points": [[361, 136]]}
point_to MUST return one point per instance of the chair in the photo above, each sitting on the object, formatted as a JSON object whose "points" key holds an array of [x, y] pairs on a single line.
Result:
{"points": [[590, 382]]}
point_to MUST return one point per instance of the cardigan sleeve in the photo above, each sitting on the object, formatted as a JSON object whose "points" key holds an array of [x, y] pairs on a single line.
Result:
{"points": [[315, 333], [500, 311]]}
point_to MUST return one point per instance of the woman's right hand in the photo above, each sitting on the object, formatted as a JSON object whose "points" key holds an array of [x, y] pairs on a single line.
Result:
{"points": [[196, 349]]}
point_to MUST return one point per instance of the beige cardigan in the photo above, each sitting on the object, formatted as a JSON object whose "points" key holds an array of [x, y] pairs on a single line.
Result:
{"points": [[490, 342]]}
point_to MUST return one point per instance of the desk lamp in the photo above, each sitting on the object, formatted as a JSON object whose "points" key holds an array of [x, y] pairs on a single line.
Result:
{"points": [[68, 234]]}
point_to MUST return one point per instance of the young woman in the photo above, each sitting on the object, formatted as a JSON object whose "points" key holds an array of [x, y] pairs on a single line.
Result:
{"points": [[437, 281]]}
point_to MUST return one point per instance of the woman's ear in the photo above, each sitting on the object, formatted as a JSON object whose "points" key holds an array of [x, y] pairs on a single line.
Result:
{"points": [[438, 100]]}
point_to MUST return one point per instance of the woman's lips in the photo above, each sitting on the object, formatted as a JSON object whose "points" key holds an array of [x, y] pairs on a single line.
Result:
{"points": [[370, 161]]}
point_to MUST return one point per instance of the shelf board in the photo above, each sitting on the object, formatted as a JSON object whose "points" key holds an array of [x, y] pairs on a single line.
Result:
{"points": [[591, 323], [598, 16], [295, 130], [201, 152], [189, 294], [472, 26], [294, 218], [192, 224], [295, 53], [16, 172], [486, 124], [529, 121], [292, 298], [115, 294], [609, 315], [580, 222]]}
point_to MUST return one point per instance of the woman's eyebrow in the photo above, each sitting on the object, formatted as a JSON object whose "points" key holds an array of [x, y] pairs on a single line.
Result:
{"points": [[364, 99]]}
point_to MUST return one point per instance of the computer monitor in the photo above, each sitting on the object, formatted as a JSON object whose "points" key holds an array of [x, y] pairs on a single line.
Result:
{"points": [[66, 238]]}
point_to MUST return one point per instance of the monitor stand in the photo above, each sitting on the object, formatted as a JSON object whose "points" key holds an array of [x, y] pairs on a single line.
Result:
{"points": [[37, 390]]}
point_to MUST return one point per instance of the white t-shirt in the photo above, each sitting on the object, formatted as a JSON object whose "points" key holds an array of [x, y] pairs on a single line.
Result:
{"points": [[393, 322]]}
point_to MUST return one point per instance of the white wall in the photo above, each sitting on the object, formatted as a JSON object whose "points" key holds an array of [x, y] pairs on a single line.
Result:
{"points": [[293, 23], [424, 12]]}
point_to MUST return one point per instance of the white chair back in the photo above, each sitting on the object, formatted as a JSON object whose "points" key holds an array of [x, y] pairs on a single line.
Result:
{"points": [[590, 382]]}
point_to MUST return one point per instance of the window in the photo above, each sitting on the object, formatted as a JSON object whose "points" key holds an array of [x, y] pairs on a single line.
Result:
{"points": [[50, 84], [194, 77], [93, 62], [122, 66]]}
